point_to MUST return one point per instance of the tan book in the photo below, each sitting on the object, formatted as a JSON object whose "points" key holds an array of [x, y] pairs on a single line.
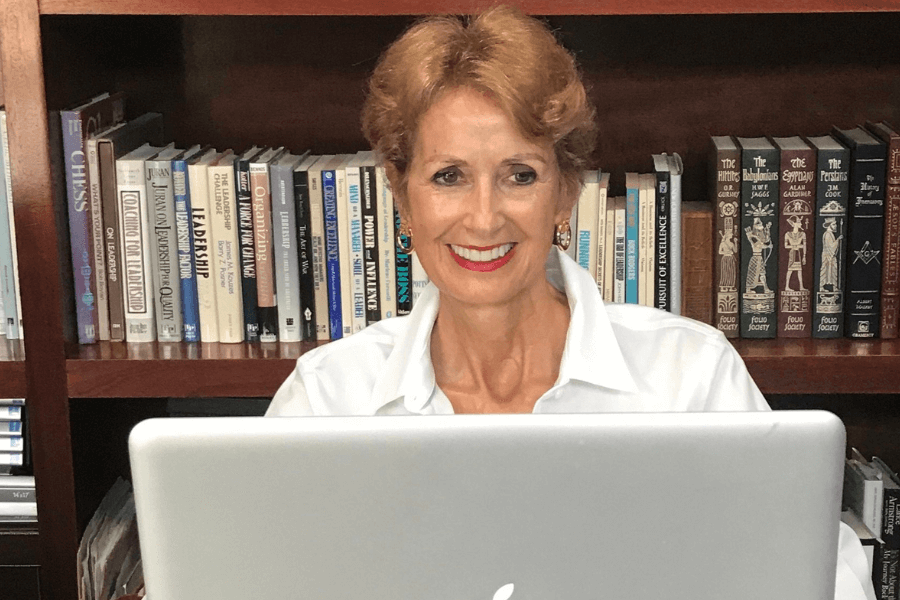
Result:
{"points": [[609, 269], [227, 272], [317, 216], [198, 183], [601, 244]]}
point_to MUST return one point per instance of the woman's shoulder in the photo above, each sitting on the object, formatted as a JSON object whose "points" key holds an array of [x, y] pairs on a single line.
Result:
{"points": [[364, 349], [652, 322]]}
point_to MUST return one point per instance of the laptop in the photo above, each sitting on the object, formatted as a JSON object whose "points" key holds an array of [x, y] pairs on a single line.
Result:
{"points": [[490, 507]]}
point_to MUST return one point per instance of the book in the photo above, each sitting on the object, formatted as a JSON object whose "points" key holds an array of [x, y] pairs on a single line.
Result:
{"points": [[647, 264], [676, 170], [12, 443], [306, 268], [11, 412], [371, 241], [890, 268], [697, 260], [661, 272], [759, 222], [797, 198], [17, 488], [164, 245], [286, 255], [402, 273], [226, 259], [619, 250], [112, 145], [9, 278], [266, 298], [317, 218], [609, 263], [725, 192], [78, 124], [632, 225], [332, 246], [862, 315], [10, 427], [589, 218], [13, 459], [134, 234], [198, 186], [602, 224], [342, 200], [354, 232], [187, 270], [387, 270], [244, 200], [18, 511], [883, 507], [830, 254]]}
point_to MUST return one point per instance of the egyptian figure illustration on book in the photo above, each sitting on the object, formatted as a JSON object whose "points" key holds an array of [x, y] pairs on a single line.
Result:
{"points": [[761, 244], [795, 244]]}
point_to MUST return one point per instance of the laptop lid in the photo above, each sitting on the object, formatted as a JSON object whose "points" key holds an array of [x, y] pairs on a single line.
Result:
{"points": [[536, 507]]}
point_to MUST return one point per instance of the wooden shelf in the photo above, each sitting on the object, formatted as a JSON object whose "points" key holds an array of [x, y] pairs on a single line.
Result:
{"points": [[12, 368], [412, 7], [841, 366], [172, 370], [19, 544]]}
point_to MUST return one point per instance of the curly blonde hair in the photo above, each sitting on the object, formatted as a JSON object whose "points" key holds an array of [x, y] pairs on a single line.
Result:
{"points": [[513, 57]]}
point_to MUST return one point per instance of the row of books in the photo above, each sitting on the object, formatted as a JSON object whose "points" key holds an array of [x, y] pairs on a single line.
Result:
{"points": [[808, 234], [10, 300], [871, 500], [17, 491], [171, 244]]}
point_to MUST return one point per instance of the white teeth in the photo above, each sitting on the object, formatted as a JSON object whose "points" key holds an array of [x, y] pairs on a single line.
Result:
{"points": [[481, 255]]}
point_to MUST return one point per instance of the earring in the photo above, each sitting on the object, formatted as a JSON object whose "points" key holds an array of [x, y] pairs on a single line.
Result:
{"points": [[563, 235], [404, 239]]}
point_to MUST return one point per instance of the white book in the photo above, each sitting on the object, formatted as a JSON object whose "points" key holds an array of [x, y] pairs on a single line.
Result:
{"points": [[198, 181], [286, 258], [12, 295], [601, 243], [864, 494], [164, 245], [101, 302], [643, 241], [386, 245], [10, 427], [12, 443], [226, 261], [134, 239], [355, 242], [676, 168], [13, 459], [317, 216], [18, 509], [588, 219], [648, 239], [609, 268], [619, 251], [11, 412], [343, 217]]}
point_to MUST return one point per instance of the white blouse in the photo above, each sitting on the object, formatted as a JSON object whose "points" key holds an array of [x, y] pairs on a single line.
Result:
{"points": [[617, 358]]}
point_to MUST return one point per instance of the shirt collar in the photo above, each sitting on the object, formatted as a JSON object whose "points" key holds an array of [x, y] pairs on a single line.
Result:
{"points": [[592, 353]]}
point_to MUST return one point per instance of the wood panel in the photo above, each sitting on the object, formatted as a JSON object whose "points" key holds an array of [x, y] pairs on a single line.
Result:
{"points": [[412, 7], [12, 368], [19, 545]]}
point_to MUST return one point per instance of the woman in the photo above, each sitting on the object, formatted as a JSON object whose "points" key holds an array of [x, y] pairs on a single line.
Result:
{"points": [[484, 129]]}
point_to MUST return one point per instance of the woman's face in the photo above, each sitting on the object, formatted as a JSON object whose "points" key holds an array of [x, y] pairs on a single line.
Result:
{"points": [[482, 200]]}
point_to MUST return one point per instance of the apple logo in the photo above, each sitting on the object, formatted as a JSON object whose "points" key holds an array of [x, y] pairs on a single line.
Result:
{"points": [[504, 592]]}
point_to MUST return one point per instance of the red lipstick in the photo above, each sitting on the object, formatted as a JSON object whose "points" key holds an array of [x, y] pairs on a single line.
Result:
{"points": [[481, 267]]}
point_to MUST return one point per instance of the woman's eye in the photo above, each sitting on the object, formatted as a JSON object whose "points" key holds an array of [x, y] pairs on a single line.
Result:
{"points": [[446, 176], [524, 176]]}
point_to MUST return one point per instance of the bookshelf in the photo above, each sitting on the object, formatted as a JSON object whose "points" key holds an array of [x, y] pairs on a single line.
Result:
{"points": [[664, 76]]}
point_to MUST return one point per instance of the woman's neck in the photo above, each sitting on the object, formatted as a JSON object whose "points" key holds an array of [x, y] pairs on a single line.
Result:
{"points": [[500, 358]]}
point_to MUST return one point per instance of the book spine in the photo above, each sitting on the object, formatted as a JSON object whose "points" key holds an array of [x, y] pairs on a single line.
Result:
{"points": [[97, 240], [8, 281], [13, 443], [796, 203], [725, 188], [204, 250], [286, 256], [632, 225], [619, 253], [17, 494], [306, 277], [226, 259], [187, 271], [267, 303], [320, 278], [11, 427], [249, 294], [134, 228], [111, 242], [11, 458], [11, 412], [609, 270], [370, 244], [759, 254], [697, 261], [866, 235], [675, 236], [16, 327], [890, 277], [645, 294], [357, 252], [164, 253], [601, 247], [332, 255], [78, 202], [403, 275], [586, 234], [661, 275], [832, 192], [387, 269], [344, 249]]}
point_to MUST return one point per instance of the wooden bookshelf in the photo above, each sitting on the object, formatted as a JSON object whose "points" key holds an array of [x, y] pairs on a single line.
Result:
{"points": [[664, 76]]}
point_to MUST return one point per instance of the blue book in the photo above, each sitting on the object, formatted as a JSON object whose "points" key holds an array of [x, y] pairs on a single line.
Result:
{"points": [[332, 251], [184, 230], [632, 205]]}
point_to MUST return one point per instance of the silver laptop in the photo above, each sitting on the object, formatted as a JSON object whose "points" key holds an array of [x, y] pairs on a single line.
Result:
{"points": [[527, 507]]}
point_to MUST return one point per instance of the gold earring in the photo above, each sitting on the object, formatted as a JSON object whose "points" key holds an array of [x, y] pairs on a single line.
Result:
{"points": [[563, 235], [404, 239]]}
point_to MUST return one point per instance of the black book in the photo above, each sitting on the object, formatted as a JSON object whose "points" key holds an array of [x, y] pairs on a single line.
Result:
{"points": [[830, 238], [304, 250], [759, 234], [862, 314], [403, 274], [370, 241], [663, 271], [247, 248]]}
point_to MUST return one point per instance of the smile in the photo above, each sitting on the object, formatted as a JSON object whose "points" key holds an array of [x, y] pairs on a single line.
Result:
{"points": [[482, 259]]}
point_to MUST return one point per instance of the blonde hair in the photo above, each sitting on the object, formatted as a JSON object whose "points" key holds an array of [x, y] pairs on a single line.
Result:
{"points": [[513, 57]]}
